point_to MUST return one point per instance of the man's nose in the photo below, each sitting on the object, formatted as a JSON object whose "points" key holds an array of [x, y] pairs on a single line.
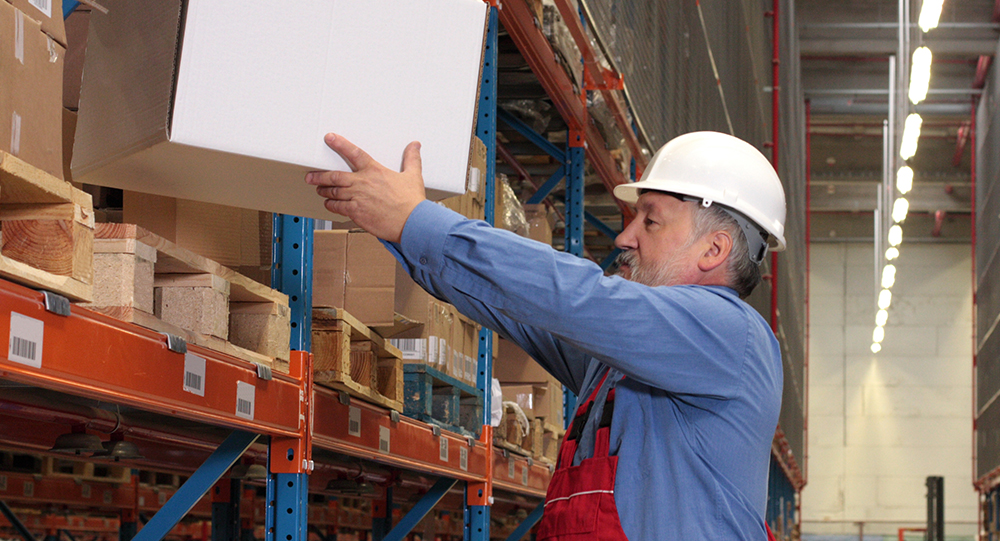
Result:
{"points": [[626, 239]]}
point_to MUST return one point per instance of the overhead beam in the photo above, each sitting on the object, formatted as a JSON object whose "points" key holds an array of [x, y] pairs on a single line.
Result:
{"points": [[851, 45]]}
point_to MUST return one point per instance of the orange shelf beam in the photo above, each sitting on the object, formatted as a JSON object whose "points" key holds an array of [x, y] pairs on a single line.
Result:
{"points": [[91, 355], [513, 473], [412, 444]]}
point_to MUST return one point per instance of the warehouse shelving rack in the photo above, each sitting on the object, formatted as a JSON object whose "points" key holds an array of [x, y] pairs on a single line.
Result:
{"points": [[89, 355]]}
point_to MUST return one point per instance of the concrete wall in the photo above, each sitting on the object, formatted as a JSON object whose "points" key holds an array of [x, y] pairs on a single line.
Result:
{"points": [[880, 424]]}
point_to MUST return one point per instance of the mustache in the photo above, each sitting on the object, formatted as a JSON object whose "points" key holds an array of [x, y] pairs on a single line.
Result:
{"points": [[627, 258]]}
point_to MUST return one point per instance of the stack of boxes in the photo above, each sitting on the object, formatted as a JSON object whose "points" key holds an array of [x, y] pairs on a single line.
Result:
{"points": [[32, 51], [353, 271], [537, 393]]}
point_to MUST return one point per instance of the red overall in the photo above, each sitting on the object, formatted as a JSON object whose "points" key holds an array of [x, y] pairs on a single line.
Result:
{"points": [[580, 502]]}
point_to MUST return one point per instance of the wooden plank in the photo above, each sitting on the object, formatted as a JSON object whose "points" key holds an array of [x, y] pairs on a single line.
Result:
{"points": [[24, 183], [207, 280], [74, 289]]}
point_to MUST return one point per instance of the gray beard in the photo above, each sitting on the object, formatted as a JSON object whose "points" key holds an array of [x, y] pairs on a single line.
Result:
{"points": [[666, 273]]}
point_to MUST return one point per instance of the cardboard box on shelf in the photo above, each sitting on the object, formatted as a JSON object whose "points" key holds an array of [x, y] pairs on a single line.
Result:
{"points": [[31, 66], [353, 271], [77, 27], [240, 120], [542, 400], [465, 342], [513, 365], [471, 204], [237, 238], [48, 13]]}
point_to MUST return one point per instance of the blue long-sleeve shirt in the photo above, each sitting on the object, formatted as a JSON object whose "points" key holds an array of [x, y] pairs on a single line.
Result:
{"points": [[696, 413]]}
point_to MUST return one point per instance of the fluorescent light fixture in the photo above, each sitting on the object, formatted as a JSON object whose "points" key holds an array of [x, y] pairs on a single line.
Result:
{"points": [[892, 253], [881, 318], [876, 348], [911, 133], [904, 179], [884, 299], [920, 74], [895, 235], [930, 13], [878, 335], [888, 276], [899, 209]]}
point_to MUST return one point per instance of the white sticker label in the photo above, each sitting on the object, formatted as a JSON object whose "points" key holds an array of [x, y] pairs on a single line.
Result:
{"points": [[161, 498], [85, 491], [142, 501], [443, 354], [245, 394], [26, 340], [474, 179], [511, 468], [524, 475], [29, 489], [19, 37], [443, 449], [432, 351], [3, 482], [463, 458], [108, 496], [413, 349], [354, 422], [15, 133], [45, 6], [383, 439], [194, 374]]}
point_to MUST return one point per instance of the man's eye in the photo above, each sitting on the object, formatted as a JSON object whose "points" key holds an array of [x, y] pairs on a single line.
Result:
{"points": [[647, 221]]}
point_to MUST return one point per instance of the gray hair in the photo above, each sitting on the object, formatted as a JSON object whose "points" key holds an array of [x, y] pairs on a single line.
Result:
{"points": [[742, 271]]}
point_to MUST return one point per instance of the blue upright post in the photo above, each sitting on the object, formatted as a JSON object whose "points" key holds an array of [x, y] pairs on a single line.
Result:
{"points": [[226, 510], [291, 273], [574, 201], [477, 500]]}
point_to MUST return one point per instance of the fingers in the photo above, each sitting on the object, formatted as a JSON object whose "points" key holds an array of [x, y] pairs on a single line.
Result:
{"points": [[344, 208], [411, 158], [330, 178], [354, 156]]}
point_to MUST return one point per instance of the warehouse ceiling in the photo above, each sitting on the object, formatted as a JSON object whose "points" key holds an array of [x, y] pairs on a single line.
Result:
{"points": [[845, 49]]}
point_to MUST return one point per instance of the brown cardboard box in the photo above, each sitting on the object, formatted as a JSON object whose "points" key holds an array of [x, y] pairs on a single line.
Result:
{"points": [[430, 342], [48, 13], [31, 64], [544, 401], [513, 365], [68, 130], [539, 223], [237, 238], [353, 271], [471, 204], [465, 348]]}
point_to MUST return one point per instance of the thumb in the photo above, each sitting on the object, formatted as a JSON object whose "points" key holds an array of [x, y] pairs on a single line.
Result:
{"points": [[411, 158]]}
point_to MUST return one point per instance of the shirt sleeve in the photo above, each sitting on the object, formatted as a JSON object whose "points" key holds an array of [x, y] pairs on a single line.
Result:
{"points": [[563, 310]]}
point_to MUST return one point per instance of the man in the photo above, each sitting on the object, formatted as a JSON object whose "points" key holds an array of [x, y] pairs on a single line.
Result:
{"points": [[679, 380]]}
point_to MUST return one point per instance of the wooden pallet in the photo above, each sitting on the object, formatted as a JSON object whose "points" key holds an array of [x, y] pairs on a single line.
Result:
{"points": [[47, 231], [147, 280], [437, 398], [86, 471], [349, 356]]}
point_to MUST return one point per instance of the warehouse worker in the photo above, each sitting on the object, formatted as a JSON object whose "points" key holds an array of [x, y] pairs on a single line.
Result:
{"points": [[680, 380]]}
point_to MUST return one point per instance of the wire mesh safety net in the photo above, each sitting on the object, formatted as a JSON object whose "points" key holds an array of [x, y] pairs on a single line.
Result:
{"points": [[706, 65]]}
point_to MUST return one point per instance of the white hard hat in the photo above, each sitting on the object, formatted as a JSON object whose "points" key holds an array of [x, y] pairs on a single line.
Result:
{"points": [[717, 168]]}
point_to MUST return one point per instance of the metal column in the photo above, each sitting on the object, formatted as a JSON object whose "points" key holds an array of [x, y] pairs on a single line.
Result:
{"points": [[226, 510], [288, 480], [478, 496]]}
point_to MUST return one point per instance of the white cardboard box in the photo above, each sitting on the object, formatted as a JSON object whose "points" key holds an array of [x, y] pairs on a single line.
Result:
{"points": [[227, 101]]}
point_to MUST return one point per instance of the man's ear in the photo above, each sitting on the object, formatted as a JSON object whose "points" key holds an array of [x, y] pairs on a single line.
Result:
{"points": [[718, 245]]}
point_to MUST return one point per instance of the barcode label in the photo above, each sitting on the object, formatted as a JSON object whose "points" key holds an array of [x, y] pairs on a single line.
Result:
{"points": [[29, 489], [26, 336], [413, 349], [511, 468], [443, 449], [470, 368], [354, 422], [473, 180], [3, 482], [142, 501], [245, 394], [194, 374], [45, 6], [524, 475], [463, 458], [443, 354], [161, 497], [432, 351], [85, 491], [383, 439]]}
